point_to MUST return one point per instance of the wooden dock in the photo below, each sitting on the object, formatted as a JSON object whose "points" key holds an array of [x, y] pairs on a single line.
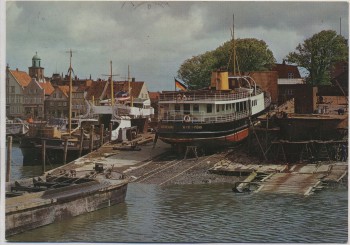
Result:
{"points": [[301, 179]]}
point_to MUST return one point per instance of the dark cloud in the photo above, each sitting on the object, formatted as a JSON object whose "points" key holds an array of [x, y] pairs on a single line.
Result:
{"points": [[154, 38]]}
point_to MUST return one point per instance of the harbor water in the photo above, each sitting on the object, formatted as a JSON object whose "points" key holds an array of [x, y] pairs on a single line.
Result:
{"points": [[201, 213]]}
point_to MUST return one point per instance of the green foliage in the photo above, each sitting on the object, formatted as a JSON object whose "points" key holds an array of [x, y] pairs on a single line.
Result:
{"points": [[252, 55], [319, 54]]}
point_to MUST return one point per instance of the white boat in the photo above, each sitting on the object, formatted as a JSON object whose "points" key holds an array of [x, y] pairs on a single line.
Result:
{"points": [[211, 117], [16, 127]]}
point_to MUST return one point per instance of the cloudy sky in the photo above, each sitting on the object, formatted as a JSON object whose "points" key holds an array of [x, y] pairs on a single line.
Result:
{"points": [[154, 38]]}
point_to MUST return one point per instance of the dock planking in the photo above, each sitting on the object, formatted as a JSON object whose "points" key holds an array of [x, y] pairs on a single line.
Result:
{"points": [[301, 179]]}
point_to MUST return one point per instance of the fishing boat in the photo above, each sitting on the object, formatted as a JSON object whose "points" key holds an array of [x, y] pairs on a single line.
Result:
{"points": [[67, 191], [219, 115]]}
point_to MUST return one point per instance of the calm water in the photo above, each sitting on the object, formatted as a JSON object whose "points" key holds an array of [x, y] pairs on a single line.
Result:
{"points": [[205, 213]]}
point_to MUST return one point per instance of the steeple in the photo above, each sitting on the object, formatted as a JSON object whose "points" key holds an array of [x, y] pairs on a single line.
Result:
{"points": [[36, 71]]}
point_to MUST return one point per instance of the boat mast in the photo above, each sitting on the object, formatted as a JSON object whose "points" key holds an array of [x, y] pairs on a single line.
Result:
{"points": [[70, 94], [112, 94]]}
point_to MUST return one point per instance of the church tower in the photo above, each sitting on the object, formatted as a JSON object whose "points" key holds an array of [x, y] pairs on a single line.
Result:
{"points": [[36, 71]]}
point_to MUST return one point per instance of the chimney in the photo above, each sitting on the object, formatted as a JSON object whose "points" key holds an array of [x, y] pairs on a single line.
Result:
{"points": [[16, 69], [133, 79]]}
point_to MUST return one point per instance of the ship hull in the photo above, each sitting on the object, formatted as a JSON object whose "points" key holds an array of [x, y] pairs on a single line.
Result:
{"points": [[211, 134], [31, 148], [68, 204]]}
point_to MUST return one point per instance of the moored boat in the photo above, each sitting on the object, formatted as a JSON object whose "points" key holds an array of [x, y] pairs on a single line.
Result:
{"points": [[61, 193], [78, 142]]}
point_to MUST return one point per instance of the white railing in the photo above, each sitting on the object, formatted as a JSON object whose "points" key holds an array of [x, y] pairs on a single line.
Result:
{"points": [[177, 97], [202, 117]]}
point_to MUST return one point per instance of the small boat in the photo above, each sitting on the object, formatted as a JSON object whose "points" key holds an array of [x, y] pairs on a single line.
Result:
{"points": [[16, 127], [219, 115], [62, 193]]}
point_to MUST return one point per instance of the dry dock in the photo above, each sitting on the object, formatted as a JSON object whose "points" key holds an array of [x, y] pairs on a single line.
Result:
{"points": [[100, 179]]}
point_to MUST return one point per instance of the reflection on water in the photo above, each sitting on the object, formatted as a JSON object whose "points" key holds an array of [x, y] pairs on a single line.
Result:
{"points": [[206, 213], [19, 171]]}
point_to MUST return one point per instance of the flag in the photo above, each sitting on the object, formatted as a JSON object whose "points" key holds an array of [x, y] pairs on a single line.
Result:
{"points": [[180, 85]]}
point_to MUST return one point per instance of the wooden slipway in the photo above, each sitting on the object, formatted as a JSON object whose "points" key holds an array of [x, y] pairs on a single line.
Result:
{"points": [[301, 179]]}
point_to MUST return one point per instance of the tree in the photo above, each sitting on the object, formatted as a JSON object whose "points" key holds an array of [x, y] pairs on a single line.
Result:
{"points": [[319, 54], [252, 55]]}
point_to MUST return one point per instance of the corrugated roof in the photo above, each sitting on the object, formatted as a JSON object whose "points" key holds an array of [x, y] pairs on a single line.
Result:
{"points": [[22, 77], [286, 81]]}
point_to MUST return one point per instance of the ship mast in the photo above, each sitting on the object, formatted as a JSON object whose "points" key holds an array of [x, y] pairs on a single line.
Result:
{"points": [[70, 93], [111, 83], [129, 88], [234, 45], [112, 93]]}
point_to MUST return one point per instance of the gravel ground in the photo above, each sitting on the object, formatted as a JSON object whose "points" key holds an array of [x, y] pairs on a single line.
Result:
{"points": [[171, 170]]}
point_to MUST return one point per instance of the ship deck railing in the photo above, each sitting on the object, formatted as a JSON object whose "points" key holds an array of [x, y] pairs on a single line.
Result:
{"points": [[202, 117], [173, 97]]}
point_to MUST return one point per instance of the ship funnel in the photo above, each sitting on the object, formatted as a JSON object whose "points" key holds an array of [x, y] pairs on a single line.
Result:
{"points": [[219, 80]]}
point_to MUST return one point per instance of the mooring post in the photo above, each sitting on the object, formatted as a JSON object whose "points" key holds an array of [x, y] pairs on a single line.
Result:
{"points": [[92, 138], [102, 128], [81, 141], [43, 154], [9, 158], [65, 151], [110, 131]]}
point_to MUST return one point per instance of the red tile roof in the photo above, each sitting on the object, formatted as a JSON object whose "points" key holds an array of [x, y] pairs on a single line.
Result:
{"points": [[48, 88], [97, 89], [64, 89], [154, 95], [22, 77]]}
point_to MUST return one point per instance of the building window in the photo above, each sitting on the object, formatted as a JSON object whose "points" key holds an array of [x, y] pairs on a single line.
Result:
{"points": [[13, 89], [177, 108], [290, 75], [195, 108]]}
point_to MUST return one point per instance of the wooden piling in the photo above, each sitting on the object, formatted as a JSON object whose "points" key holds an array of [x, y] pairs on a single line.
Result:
{"points": [[43, 154], [110, 131], [92, 138], [81, 141], [9, 158], [102, 133], [65, 151]]}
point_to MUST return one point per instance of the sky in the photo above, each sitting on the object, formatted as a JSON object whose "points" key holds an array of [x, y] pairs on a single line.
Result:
{"points": [[154, 38]]}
